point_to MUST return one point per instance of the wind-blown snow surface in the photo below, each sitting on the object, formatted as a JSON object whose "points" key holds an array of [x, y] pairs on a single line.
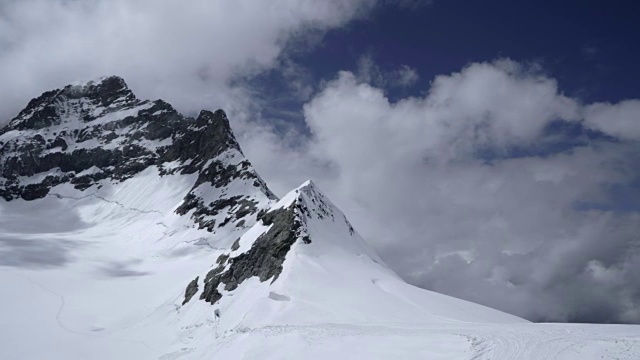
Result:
{"points": [[97, 269], [82, 272], [103, 277], [337, 279]]}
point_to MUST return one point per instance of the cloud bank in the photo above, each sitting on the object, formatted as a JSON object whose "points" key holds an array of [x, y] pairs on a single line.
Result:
{"points": [[494, 187], [194, 54]]}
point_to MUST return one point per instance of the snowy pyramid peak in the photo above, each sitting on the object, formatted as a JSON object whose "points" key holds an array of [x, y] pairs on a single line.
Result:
{"points": [[302, 216], [311, 202], [304, 263]]}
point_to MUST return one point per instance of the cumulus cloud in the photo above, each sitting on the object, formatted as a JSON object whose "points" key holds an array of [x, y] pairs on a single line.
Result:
{"points": [[462, 191], [192, 53], [620, 120]]}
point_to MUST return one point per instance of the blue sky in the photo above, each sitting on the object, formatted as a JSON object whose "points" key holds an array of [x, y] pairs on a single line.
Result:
{"points": [[590, 47]]}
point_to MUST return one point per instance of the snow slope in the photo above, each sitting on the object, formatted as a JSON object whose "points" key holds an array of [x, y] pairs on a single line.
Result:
{"points": [[335, 299], [335, 278], [186, 254], [78, 268]]}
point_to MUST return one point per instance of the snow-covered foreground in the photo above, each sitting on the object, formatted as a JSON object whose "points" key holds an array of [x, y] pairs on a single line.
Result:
{"points": [[103, 275], [40, 323], [41, 326], [466, 341]]}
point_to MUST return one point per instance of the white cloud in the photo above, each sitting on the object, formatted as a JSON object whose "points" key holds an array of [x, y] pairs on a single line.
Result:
{"points": [[414, 178], [190, 53], [620, 120]]}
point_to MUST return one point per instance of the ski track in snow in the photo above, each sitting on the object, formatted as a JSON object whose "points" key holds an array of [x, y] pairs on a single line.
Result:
{"points": [[96, 196], [542, 341], [362, 292], [527, 341], [204, 339], [61, 308]]}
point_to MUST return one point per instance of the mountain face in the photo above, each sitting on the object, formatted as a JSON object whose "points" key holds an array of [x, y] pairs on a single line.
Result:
{"points": [[263, 256], [130, 231], [85, 135], [304, 263]]}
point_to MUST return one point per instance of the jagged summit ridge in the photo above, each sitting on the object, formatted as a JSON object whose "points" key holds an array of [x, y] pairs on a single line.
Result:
{"points": [[311, 202], [262, 251], [303, 263], [89, 101], [89, 134]]}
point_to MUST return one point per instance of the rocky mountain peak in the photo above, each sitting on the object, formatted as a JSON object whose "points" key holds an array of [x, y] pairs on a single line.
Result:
{"points": [[99, 131], [219, 116], [313, 203], [262, 251], [107, 90], [109, 94]]}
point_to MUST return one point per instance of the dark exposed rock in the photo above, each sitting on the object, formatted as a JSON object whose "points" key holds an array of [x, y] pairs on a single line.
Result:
{"points": [[261, 214], [351, 230], [39, 113], [205, 138], [58, 142], [153, 134], [220, 204], [246, 207], [264, 259], [306, 239], [268, 252], [225, 221], [44, 111], [35, 191], [222, 259], [211, 282], [237, 207], [192, 289]]}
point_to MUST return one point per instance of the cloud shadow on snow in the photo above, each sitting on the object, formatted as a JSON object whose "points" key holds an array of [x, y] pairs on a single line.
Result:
{"points": [[122, 269], [35, 253], [27, 231], [47, 215]]}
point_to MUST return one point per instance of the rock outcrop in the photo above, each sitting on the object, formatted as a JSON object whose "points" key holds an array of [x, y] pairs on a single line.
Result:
{"points": [[285, 224], [100, 131]]}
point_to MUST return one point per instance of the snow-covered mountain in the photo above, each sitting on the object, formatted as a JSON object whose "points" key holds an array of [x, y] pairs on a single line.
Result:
{"points": [[303, 263], [86, 135], [129, 231]]}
